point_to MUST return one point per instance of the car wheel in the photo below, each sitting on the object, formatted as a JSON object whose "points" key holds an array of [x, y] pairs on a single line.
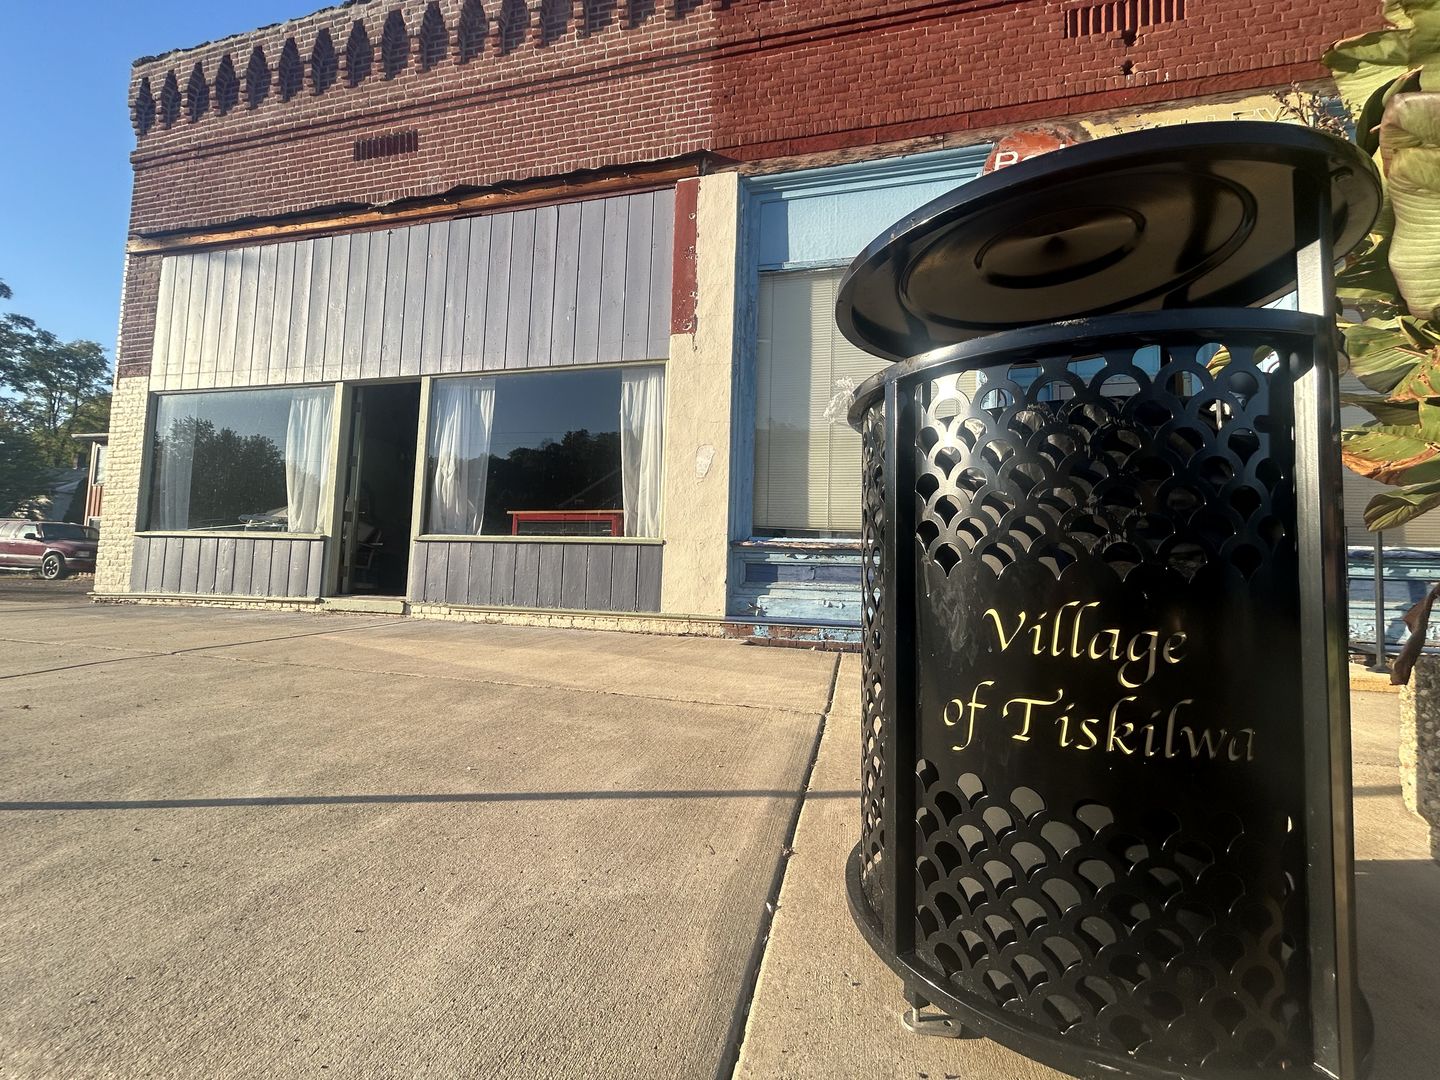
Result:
{"points": [[52, 567]]}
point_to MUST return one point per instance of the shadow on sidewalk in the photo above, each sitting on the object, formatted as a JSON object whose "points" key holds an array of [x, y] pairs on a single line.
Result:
{"points": [[447, 797], [1398, 917]]}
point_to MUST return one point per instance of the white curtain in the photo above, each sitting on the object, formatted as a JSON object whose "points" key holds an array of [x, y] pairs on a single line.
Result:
{"points": [[307, 446], [462, 415], [642, 414], [175, 425]]}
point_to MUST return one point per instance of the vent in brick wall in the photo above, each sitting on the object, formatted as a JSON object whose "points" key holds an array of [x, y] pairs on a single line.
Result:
{"points": [[382, 146], [1118, 16]]}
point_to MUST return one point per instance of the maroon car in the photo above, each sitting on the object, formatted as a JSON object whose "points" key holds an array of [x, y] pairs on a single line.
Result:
{"points": [[55, 548]]}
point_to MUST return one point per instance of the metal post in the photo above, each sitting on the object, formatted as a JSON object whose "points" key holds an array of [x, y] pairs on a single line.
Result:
{"points": [[1379, 664], [1323, 617]]}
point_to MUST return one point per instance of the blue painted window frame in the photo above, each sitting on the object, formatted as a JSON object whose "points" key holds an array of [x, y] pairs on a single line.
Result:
{"points": [[799, 198]]}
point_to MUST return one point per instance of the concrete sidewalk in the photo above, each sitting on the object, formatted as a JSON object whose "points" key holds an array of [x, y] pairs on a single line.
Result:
{"points": [[826, 1007], [243, 844]]}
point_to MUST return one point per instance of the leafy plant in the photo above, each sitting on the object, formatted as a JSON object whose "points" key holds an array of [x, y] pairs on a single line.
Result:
{"points": [[1390, 81]]}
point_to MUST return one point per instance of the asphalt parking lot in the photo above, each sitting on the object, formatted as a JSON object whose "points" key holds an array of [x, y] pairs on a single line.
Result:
{"points": [[29, 586]]}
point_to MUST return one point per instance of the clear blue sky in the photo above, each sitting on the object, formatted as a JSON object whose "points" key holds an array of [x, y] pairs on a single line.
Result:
{"points": [[65, 172]]}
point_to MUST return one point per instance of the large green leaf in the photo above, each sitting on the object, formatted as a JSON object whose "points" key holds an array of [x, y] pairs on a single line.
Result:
{"points": [[1391, 455], [1421, 416], [1390, 82], [1366, 281], [1364, 65], [1398, 505], [1367, 123], [1381, 355], [1397, 12], [1410, 149], [1423, 381], [1425, 43], [1385, 410]]}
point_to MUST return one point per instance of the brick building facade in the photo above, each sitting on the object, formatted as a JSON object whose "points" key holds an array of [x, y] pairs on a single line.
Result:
{"points": [[693, 136]]}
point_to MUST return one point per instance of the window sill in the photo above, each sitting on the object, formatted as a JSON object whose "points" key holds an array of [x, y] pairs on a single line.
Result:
{"points": [[504, 538], [230, 534], [765, 543]]}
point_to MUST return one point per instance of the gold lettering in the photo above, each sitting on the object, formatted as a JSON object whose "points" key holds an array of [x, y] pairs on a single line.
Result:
{"points": [[1249, 734], [1115, 738], [1088, 731], [964, 709], [1029, 703], [1132, 656], [1172, 644], [1055, 627], [1207, 739], [1075, 629], [1114, 650], [1038, 633], [959, 714], [994, 616]]}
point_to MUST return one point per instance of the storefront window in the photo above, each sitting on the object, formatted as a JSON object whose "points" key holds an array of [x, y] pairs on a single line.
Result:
{"points": [[807, 457], [241, 460], [572, 453]]}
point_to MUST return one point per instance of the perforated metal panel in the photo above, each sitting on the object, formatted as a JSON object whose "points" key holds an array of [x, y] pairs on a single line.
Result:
{"points": [[872, 625], [1103, 842]]}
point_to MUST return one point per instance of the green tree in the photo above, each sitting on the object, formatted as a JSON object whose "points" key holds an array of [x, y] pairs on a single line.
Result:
{"points": [[55, 388], [22, 469], [231, 474], [579, 471]]}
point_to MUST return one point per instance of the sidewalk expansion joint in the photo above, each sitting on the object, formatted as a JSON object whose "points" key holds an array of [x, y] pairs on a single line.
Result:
{"points": [[480, 680], [740, 1018], [158, 653]]}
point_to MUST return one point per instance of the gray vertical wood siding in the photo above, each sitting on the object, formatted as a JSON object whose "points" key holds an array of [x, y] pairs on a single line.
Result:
{"points": [[577, 577], [228, 566], [581, 283]]}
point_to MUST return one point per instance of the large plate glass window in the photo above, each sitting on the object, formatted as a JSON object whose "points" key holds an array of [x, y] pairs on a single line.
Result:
{"points": [[807, 458], [243, 460], [560, 453]]}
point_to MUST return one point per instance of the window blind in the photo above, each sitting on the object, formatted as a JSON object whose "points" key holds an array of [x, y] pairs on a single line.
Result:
{"points": [[807, 458]]}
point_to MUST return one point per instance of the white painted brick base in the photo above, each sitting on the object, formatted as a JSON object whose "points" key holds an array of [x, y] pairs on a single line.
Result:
{"points": [[122, 484]]}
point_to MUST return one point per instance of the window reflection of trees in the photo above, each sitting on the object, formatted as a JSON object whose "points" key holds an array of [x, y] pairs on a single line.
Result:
{"points": [[579, 471], [230, 474]]}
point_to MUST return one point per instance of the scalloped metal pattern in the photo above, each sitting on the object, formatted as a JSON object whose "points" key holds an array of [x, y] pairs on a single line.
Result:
{"points": [[874, 722], [1171, 936], [1156, 949], [1170, 469]]}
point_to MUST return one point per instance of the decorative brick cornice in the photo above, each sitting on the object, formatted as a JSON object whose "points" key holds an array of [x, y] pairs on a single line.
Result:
{"points": [[342, 49], [384, 102]]}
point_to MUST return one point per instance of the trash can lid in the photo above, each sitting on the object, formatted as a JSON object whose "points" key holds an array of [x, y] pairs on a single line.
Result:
{"points": [[1197, 215]]}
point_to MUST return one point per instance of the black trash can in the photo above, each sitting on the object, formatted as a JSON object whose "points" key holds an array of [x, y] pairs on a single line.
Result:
{"points": [[1105, 806]]}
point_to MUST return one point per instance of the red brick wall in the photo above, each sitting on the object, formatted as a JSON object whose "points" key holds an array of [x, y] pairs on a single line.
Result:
{"points": [[893, 71], [745, 78], [616, 94], [137, 315]]}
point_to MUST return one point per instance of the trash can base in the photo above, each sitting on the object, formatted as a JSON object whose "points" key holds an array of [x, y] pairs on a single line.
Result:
{"points": [[927, 1020], [924, 987]]}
